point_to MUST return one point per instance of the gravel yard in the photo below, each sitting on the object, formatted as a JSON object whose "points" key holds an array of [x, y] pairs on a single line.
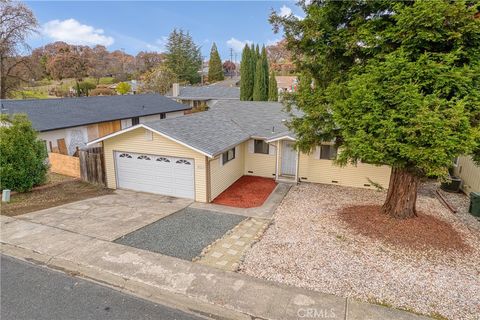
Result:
{"points": [[182, 234], [310, 246]]}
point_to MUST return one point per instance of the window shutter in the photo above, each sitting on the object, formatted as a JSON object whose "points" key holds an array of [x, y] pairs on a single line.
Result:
{"points": [[272, 149], [251, 148], [316, 153]]}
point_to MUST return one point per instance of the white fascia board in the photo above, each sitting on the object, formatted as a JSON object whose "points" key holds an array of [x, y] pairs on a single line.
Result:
{"points": [[285, 137], [141, 125]]}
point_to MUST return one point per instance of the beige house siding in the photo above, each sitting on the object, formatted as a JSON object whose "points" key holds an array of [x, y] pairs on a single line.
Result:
{"points": [[137, 141], [261, 165], [469, 173], [324, 171], [222, 176]]}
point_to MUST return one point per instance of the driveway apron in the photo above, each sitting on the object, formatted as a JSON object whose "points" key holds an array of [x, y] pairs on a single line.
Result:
{"points": [[109, 217]]}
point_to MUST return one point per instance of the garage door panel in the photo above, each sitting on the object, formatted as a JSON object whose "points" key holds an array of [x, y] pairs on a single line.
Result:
{"points": [[155, 174]]}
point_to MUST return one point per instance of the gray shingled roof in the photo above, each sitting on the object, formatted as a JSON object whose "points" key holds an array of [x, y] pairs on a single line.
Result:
{"points": [[50, 114], [227, 124], [207, 131], [211, 92]]}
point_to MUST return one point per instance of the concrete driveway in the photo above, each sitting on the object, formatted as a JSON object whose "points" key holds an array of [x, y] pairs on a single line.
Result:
{"points": [[111, 216]]}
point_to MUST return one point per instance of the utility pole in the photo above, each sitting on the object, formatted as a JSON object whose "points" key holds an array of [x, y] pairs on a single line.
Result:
{"points": [[231, 54]]}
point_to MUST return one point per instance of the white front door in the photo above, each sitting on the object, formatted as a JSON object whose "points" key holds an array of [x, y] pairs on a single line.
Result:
{"points": [[289, 158], [170, 176]]}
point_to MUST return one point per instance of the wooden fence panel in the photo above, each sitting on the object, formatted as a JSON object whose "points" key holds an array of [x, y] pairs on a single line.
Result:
{"points": [[66, 165], [92, 167]]}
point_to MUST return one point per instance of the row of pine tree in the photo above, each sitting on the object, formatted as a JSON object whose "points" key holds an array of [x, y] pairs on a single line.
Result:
{"points": [[256, 83]]}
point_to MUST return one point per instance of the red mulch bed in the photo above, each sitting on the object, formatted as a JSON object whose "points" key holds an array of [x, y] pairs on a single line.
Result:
{"points": [[419, 233], [246, 192]]}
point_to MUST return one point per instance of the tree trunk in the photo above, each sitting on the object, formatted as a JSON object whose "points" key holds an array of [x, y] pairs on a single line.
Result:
{"points": [[402, 194]]}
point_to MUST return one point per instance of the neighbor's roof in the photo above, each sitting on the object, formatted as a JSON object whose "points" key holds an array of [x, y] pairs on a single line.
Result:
{"points": [[224, 126], [211, 92], [50, 114]]}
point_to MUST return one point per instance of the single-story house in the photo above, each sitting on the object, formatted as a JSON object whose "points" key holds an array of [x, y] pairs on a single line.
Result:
{"points": [[69, 123], [469, 172], [199, 155], [199, 97]]}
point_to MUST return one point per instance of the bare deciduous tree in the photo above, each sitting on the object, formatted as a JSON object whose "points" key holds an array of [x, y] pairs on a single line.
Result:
{"points": [[159, 80], [16, 23]]}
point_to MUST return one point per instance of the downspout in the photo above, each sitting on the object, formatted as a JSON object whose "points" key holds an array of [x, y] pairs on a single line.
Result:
{"points": [[277, 164], [297, 164], [209, 183]]}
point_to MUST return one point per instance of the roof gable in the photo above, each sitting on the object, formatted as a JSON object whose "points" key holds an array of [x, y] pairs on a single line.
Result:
{"points": [[226, 125]]}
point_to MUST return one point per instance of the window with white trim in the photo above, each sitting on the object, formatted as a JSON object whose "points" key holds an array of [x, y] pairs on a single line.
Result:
{"points": [[228, 155], [181, 161], [260, 146], [125, 155], [328, 152]]}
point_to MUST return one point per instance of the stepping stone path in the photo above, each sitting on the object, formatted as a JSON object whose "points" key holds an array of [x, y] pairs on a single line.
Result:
{"points": [[226, 252]]}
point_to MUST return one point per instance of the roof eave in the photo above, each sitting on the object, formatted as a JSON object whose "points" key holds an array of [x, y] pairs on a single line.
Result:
{"points": [[282, 137], [141, 125]]}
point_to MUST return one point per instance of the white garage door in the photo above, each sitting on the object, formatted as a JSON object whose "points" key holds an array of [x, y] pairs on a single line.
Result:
{"points": [[155, 174]]}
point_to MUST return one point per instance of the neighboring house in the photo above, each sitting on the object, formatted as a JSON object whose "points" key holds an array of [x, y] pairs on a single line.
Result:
{"points": [[469, 172], [134, 86], [198, 156], [204, 96], [69, 123], [287, 83]]}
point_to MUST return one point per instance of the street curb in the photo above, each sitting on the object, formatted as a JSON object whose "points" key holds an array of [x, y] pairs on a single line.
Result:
{"points": [[141, 290], [264, 298]]}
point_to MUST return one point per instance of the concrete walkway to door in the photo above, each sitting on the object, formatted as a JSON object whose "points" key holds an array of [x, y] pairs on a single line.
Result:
{"points": [[108, 217]]}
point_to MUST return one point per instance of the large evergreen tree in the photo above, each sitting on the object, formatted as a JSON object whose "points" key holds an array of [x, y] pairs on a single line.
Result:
{"points": [[272, 88], [254, 58], [215, 69], [395, 83], [260, 90], [265, 67], [183, 56], [246, 75]]}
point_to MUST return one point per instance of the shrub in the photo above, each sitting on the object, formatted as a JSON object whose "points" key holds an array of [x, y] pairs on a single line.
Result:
{"points": [[23, 156], [123, 88], [84, 87], [102, 91]]}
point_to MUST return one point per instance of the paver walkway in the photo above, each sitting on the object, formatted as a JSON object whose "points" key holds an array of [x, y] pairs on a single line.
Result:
{"points": [[226, 253]]}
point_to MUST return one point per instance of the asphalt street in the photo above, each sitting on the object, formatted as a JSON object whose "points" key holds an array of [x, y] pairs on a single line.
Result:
{"points": [[29, 291]]}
